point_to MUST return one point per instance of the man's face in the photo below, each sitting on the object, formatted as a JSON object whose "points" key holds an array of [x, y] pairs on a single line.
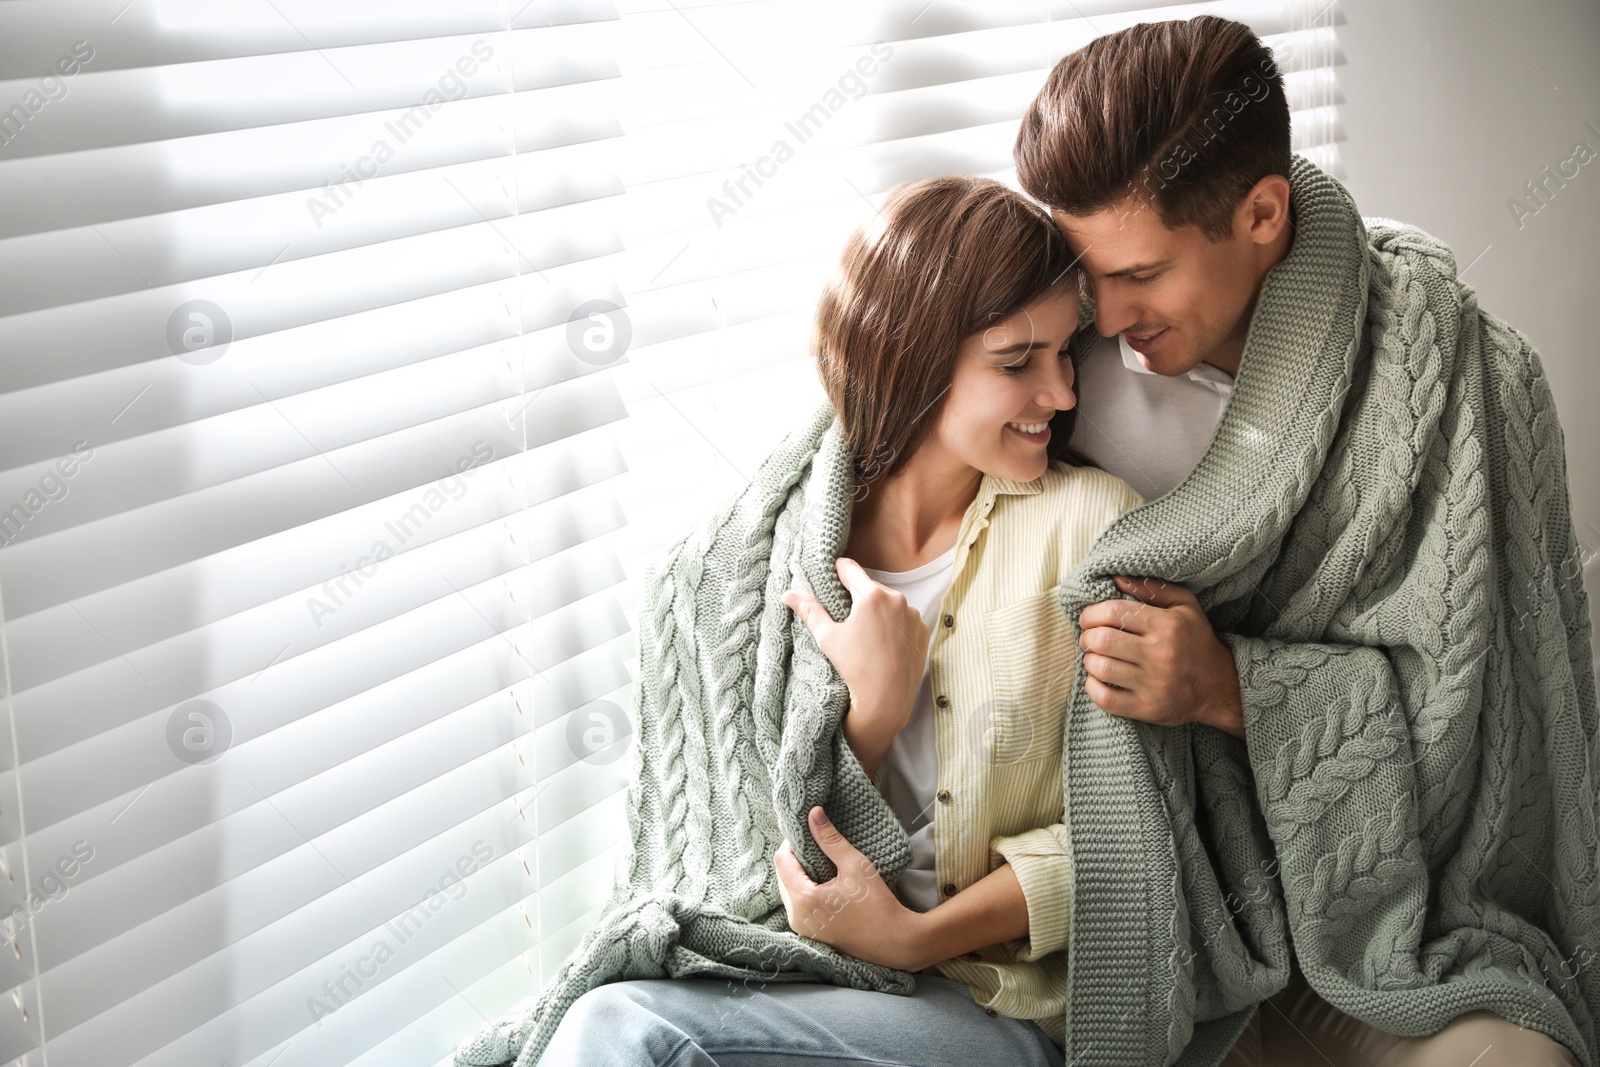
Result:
{"points": [[1175, 296]]}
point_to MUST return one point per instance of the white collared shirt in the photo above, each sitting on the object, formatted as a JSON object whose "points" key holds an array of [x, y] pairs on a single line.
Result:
{"points": [[1144, 427], [1215, 378]]}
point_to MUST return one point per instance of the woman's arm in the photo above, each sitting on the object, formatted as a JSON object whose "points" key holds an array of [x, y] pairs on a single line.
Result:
{"points": [[1040, 860], [870, 734], [857, 913], [988, 912]]}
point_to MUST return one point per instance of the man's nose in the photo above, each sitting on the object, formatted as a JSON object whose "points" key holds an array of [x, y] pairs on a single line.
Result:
{"points": [[1112, 315]]}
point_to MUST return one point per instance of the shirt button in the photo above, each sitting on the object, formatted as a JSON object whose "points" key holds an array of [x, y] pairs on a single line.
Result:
{"points": [[944, 796], [942, 700], [949, 620], [990, 1012], [949, 889]]}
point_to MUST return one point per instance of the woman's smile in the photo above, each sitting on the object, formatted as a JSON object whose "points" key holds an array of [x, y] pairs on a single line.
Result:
{"points": [[1037, 433]]}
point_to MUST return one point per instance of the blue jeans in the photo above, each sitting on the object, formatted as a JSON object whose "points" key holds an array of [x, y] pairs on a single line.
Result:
{"points": [[712, 1022]]}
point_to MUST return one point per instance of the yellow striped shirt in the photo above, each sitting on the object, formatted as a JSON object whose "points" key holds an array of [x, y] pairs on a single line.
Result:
{"points": [[1001, 662]]}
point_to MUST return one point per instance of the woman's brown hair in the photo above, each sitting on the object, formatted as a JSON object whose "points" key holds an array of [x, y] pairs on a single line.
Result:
{"points": [[944, 258]]}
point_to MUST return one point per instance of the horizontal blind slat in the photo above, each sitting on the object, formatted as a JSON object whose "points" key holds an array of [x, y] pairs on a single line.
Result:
{"points": [[101, 108]]}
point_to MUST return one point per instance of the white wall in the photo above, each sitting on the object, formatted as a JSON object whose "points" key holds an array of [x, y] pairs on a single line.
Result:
{"points": [[1449, 107]]}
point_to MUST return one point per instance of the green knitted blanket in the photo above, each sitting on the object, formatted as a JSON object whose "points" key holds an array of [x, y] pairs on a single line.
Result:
{"points": [[1379, 529]]}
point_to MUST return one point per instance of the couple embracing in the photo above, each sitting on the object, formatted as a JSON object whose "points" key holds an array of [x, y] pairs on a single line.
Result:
{"points": [[1166, 645]]}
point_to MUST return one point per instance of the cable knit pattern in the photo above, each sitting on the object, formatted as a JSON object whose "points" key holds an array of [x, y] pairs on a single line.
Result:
{"points": [[737, 735], [1379, 529]]}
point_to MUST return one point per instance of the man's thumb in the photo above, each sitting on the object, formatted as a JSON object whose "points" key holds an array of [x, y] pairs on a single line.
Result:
{"points": [[1156, 592]]}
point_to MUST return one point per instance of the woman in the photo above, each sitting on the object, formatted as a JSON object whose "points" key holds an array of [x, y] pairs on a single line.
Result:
{"points": [[943, 346]]}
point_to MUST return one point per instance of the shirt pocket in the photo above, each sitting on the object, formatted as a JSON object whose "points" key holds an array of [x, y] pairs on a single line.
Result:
{"points": [[1033, 662]]}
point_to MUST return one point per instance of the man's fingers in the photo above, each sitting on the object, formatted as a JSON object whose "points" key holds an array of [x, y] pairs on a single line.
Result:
{"points": [[1130, 615], [1122, 703], [1134, 615], [1111, 642], [1110, 671], [1156, 592]]}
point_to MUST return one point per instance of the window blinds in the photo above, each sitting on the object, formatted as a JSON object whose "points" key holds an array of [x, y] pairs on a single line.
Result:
{"points": [[760, 134], [354, 362]]}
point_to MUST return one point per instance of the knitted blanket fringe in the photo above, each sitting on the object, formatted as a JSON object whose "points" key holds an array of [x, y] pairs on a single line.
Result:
{"points": [[1381, 532]]}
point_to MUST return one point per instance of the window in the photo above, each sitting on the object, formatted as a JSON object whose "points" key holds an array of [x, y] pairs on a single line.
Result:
{"points": [[354, 361]]}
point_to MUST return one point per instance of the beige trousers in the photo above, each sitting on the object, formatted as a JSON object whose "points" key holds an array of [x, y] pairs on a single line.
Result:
{"points": [[1297, 1028]]}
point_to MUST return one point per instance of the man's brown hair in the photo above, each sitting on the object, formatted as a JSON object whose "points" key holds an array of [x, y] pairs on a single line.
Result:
{"points": [[1185, 115], [944, 258]]}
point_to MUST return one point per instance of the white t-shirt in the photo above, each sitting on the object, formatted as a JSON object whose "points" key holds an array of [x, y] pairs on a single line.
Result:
{"points": [[908, 775], [1146, 428]]}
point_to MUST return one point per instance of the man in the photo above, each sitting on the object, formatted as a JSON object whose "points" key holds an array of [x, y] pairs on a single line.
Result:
{"points": [[1370, 475]]}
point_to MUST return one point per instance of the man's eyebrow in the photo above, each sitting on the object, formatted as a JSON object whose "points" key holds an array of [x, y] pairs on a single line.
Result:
{"points": [[1135, 269]]}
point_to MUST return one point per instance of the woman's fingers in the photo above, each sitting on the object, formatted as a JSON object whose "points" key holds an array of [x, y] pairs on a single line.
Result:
{"points": [[879, 650], [792, 881], [845, 856], [788, 868], [810, 610], [854, 577]]}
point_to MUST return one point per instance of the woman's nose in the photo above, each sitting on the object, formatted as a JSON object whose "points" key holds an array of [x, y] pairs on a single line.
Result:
{"points": [[1060, 394]]}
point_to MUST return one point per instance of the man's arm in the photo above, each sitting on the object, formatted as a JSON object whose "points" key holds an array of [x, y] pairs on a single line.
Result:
{"points": [[1156, 659]]}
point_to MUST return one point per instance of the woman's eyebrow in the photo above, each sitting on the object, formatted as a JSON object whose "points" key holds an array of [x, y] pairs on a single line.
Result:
{"points": [[1020, 346]]}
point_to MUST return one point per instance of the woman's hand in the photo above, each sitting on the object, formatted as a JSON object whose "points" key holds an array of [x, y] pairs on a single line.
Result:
{"points": [[880, 650], [855, 912]]}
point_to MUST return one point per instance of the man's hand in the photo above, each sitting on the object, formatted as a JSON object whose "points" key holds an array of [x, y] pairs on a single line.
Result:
{"points": [[855, 912], [1156, 659]]}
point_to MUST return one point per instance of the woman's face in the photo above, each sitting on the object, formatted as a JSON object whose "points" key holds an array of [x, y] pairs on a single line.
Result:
{"points": [[1010, 379]]}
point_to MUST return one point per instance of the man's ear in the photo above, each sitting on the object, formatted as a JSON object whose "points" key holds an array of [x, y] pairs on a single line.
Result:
{"points": [[1265, 209]]}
